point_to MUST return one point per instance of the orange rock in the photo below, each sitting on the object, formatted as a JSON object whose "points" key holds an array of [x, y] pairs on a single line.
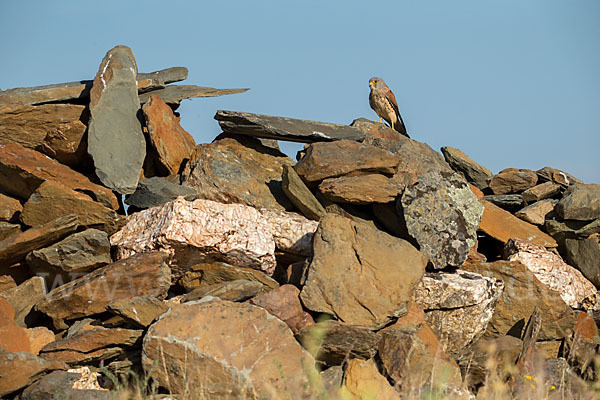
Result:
{"points": [[476, 191], [585, 328], [39, 337], [284, 303], [13, 338]]}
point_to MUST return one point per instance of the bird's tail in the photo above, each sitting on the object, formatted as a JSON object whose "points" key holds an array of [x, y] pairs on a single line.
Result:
{"points": [[400, 127]]}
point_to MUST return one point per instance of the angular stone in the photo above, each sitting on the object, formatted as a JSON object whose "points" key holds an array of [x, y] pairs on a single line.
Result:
{"points": [[171, 143], [13, 338], [552, 271], [292, 232], [375, 129], [580, 202], [536, 212], [9, 208], [361, 189], [156, 191], [332, 379], [238, 170], [55, 129], [585, 255], [18, 370], [200, 231], [60, 385], [52, 200], [473, 172], [238, 290], [330, 159], [522, 293], [23, 297], [442, 214], [6, 282], [508, 202], [39, 336], [140, 310], [458, 306], [16, 247], [211, 273], [332, 342], [502, 226], [363, 381], [541, 191], [173, 94], [300, 195], [238, 351], [377, 272], [569, 229], [22, 170], [512, 180], [70, 258], [548, 174], [115, 138], [280, 128], [284, 303], [138, 275], [7, 230]]}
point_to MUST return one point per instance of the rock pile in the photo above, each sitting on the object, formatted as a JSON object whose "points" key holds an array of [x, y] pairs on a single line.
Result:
{"points": [[372, 264]]}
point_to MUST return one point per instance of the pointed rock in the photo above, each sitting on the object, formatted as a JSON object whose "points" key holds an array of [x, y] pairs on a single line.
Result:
{"points": [[300, 195], [473, 172], [23, 297], [9, 208], [173, 94], [115, 138], [536, 212]]}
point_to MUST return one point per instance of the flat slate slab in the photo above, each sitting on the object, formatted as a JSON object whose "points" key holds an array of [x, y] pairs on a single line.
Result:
{"points": [[281, 128], [173, 94]]}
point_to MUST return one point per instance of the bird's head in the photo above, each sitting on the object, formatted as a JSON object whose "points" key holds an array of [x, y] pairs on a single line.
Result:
{"points": [[376, 83]]}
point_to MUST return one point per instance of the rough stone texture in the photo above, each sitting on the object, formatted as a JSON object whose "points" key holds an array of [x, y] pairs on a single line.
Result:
{"points": [[142, 311], [375, 129], [61, 385], [52, 200], [39, 336], [541, 191], [361, 189], [16, 247], [512, 180], [200, 231], [473, 172], [585, 255], [115, 138], [522, 293], [238, 290], [331, 159], [23, 297], [13, 338], [169, 140], [502, 225], [8, 229], [238, 351], [580, 202], [509, 202], [458, 306], [363, 381], [9, 208], [156, 191], [18, 370], [284, 303], [300, 195], [131, 277], [442, 214], [332, 342], [173, 94], [569, 229], [548, 174], [70, 258], [280, 128], [292, 232], [536, 212], [6, 282], [238, 170], [377, 272], [552, 271], [22, 170], [54, 129]]}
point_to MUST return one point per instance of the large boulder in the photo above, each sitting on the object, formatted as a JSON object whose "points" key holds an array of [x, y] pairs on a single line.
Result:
{"points": [[473, 172], [585, 255], [580, 202], [512, 180]]}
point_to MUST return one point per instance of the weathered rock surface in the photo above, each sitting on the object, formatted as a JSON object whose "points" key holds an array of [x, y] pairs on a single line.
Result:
{"points": [[512, 180], [60, 385], [22, 170], [292, 232], [330, 159], [442, 214], [7, 229], [115, 138], [7, 282], [458, 306], [169, 140], [70, 258], [39, 336], [363, 381], [300, 195], [375, 129], [13, 338], [23, 297], [508, 202], [52, 200], [473, 172], [156, 191], [355, 256], [553, 272], [139, 310], [541, 191], [280, 128], [200, 231], [54, 129], [238, 170], [211, 273], [580, 202], [536, 212], [9, 208], [173, 94], [361, 189], [131, 277], [502, 225], [522, 293], [18, 370], [284, 303], [548, 174], [16, 247], [238, 290], [585, 255], [236, 349]]}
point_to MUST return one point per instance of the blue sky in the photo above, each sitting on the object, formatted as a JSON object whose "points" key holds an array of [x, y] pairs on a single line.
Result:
{"points": [[512, 83]]}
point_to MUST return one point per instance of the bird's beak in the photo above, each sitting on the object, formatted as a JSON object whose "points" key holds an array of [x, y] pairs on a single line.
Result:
{"points": [[371, 84]]}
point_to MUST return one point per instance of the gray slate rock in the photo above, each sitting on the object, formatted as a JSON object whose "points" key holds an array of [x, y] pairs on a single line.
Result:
{"points": [[58, 385], [156, 191], [300, 195], [585, 255], [115, 138], [280, 128], [172, 95], [580, 202], [473, 172], [509, 202], [561, 230], [442, 214]]}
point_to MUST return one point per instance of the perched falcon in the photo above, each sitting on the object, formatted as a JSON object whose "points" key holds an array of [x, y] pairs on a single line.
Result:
{"points": [[383, 102]]}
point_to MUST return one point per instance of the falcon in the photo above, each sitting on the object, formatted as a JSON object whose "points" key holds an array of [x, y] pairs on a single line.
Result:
{"points": [[383, 102]]}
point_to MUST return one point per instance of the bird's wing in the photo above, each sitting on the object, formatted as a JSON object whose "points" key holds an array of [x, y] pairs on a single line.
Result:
{"points": [[389, 95]]}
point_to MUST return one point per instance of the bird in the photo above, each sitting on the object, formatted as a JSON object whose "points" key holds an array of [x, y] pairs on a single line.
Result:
{"points": [[383, 102]]}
